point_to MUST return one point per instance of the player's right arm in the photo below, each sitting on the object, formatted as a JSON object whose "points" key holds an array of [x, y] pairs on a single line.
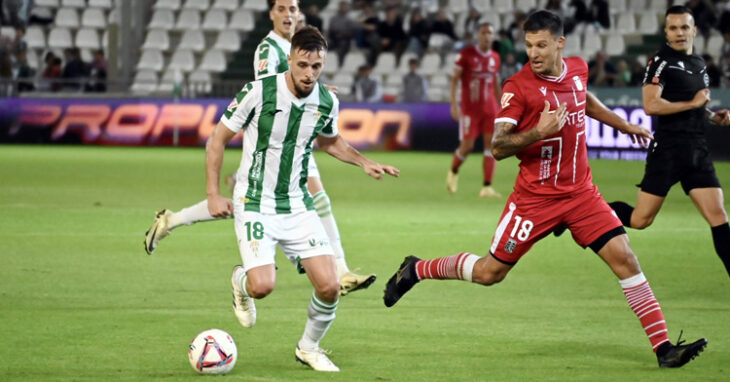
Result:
{"points": [[506, 142], [453, 88], [653, 86]]}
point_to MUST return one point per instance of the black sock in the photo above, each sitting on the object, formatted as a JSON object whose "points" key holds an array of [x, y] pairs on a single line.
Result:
{"points": [[721, 238], [623, 211]]}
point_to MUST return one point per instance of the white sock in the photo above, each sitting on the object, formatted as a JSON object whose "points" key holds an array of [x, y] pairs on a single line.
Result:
{"points": [[324, 210], [193, 214], [320, 316], [241, 277]]}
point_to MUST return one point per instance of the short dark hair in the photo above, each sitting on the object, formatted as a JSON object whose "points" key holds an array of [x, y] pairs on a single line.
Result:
{"points": [[309, 39], [273, 2], [541, 20], [678, 10]]}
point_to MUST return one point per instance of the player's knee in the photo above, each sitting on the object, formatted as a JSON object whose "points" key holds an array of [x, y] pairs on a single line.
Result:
{"points": [[641, 222], [467, 147], [329, 291], [259, 289], [716, 216], [488, 278]]}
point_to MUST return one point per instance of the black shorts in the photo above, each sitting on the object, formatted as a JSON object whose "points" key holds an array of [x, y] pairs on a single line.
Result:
{"points": [[674, 160]]}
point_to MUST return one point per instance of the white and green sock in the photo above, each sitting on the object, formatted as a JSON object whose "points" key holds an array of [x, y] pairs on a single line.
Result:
{"points": [[320, 316], [190, 215], [324, 210]]}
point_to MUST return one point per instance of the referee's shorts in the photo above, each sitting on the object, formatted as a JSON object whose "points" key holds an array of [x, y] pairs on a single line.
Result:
{"points": [[671, 160]]}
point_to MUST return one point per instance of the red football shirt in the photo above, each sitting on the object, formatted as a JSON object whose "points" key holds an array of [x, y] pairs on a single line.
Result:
{"points": [[479, 74], [557, 165]]}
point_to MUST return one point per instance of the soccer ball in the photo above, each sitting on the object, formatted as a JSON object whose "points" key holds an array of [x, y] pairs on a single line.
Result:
{"points": [[213, 352]]}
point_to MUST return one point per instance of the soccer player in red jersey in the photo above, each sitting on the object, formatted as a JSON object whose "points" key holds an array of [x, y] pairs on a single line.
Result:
{"points": [[477, 68], [542, 122]]}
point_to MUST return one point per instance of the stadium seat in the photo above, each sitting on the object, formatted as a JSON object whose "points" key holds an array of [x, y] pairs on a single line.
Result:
{"points": [[86, 55], [626, 23], [151, 60], [213, 61], [331, 65], [145, 82], [458, 6], [431, 64], [503, 6], [93, 18], [352, 62], [46, 3], [572, 46], [403, 64], [617, 6], [113, 17], [67, 18], [32, 57], [439, 80], [493, 19], [192, 39], [88, 39], [448, 64], [525, 5], [242, 20], [161, 19], [157, 39], [394, 79], [167, 4], [73, 3], [714, 46], [343, 81], [255, 5], [638, 5], [188, 19], [592, 43], [182, 60], [215, 20], [228, 40], [201, 5], [169, 79], [648, 23], [60, 38], [385, 63], [434, 94], [228, 5], [615, 45], [438, 40], [7, 33], [657, 6], [699, 44], [200, 82], [105, 4]]}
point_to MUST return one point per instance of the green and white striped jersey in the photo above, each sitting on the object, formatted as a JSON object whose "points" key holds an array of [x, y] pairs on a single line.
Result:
{"points": [[279, 130], [271, 56]]}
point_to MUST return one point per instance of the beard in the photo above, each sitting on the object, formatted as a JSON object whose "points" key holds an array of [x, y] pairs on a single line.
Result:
{"points": [[302, 93]]}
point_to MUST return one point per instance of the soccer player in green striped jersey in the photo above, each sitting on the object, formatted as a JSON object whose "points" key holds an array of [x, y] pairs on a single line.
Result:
{"points": [[280, 117], [271, 58]]}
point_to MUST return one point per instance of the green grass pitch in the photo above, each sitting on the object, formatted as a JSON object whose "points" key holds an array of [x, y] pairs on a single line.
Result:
{"points": [[80, 300]]}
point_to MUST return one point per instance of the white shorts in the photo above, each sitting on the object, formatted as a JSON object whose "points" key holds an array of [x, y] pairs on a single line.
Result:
{"points": [[312, 170], [300, 235]]}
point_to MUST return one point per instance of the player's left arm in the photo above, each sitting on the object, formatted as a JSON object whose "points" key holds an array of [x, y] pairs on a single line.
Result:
{"points": [[720, 117], [218, 205], [340, 149], [598, 111]]}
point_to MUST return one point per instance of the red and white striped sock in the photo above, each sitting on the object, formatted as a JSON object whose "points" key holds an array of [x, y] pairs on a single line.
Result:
{"points": [[458, 267], [642, 301], [457, 161]]}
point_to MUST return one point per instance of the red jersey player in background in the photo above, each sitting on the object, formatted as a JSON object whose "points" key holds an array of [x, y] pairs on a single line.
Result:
{"points": [[543, 122], [477, 68]]}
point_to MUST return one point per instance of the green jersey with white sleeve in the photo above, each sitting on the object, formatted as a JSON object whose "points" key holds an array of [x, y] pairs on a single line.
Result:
{"points": [[278, 133]]}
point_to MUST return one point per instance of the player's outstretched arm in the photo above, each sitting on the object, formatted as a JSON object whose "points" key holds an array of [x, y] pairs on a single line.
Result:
{"points": [[506, 142], [598, 111], [218, 206], [720, 117], [340, 149]]}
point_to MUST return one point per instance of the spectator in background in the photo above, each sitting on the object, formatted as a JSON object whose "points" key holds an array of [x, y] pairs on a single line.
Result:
{"points": [[623, 74], [415, 85], [367, 36], [471, 23], [713, 71], [392, 36], [580, 13], [367, 88], [466, 40], [51, 72], [24, 73], [74, 70], [312, 17], [704, 15], [560, 8], [98, 72], [637, 73], [19, 44], [506, 45], [601, 72], [510, 66], [600, 14], [442, 25], [418, 33], [517, 35], [341, 31]]}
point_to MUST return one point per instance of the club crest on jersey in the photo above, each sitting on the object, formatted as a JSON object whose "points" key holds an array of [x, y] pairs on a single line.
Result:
{"points": [[578, 83], [254, 245]]}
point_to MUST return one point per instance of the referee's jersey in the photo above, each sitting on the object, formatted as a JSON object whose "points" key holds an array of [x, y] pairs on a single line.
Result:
{"points": [[681, 76]]}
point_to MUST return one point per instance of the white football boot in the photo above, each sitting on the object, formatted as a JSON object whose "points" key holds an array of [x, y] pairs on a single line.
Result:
{"points": [[316, 359], [157, 231], [243, 306], [489, 192], [452, 182]]}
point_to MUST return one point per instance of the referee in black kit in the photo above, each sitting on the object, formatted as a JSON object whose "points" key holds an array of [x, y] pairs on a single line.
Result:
{"points": [[675, 91]]}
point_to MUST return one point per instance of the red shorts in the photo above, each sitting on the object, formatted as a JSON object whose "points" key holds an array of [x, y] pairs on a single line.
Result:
{"points": [[474, 125], [526, 220]]}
